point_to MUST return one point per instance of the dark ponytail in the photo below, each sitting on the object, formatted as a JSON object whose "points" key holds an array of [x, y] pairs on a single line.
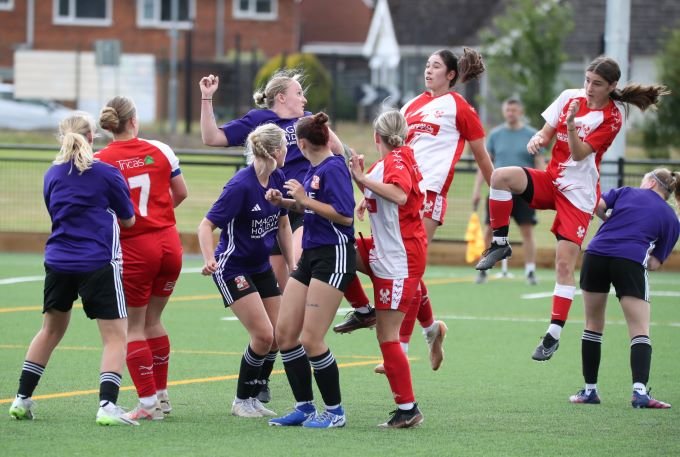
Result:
{"points": [[467, 67], [314, 129]]}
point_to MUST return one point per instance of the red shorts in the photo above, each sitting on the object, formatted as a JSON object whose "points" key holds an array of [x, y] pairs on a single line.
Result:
{"points": [[396, 294], [151, 265], [570, 222], [435, 206]]}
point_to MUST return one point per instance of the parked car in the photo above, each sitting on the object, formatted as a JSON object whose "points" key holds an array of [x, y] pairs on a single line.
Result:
{"points": [[29, 114]]}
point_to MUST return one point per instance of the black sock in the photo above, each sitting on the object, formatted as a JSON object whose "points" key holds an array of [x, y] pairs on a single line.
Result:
{"points": [[29, 379], [501, 231], [327, 377], [248, 375], [109, 386], [640, 358], [298, 372], [267, 368], [591, 350]]}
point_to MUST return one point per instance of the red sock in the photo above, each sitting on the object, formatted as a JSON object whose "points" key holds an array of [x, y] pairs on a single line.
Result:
{"points": [[561, 303], [355, 294], [425, 314], [406, 329], [499, 212], [397, 371], [140, 365], [160, 349]]}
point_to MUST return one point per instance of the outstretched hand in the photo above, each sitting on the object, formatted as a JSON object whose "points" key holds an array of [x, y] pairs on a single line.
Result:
{"points": [[356, 167], [274, 196]]}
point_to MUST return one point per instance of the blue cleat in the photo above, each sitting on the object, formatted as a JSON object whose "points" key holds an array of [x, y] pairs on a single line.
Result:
{"points": [[646, 401], [327, 419], [581, 397], [298, 416]]}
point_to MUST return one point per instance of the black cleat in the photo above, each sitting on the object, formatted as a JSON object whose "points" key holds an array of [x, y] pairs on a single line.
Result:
{"points": [[542, 353], [264, 395], [493, 254], [355, 320], [404, 418]]}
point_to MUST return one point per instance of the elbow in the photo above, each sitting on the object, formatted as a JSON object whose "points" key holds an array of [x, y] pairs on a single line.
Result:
{"points": [[347, 221], [401, 200], [127, 223], [178, 198]]}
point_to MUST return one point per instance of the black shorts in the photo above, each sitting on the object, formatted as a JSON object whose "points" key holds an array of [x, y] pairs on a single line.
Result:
{"points": [[295, 219], [628, 277], [522, 213], [334, 265], [233, 289], [101, 292]]}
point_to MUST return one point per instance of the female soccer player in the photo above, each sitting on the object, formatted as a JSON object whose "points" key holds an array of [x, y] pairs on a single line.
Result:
{"points": [[440, 121], [313, 293], [82, 257], [240, 265], [152, 251], [637, 237], [585, 122], [281, 102], [398, 251]]}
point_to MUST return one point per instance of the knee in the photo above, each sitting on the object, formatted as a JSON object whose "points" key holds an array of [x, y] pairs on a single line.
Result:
{"points": [[311, 344], [564, 268], [262, 340]]}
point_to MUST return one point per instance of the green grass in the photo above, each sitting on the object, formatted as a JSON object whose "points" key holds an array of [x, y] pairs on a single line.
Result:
{"points": [[488, 398]]}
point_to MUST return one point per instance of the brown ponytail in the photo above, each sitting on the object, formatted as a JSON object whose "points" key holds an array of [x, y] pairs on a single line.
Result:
{"points": [[467, 67], [314, 129]]}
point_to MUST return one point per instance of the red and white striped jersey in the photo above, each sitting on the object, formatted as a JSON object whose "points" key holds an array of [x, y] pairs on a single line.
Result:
{"points": [[437, 130], [579, 181], [147, 166], [399, 238]]}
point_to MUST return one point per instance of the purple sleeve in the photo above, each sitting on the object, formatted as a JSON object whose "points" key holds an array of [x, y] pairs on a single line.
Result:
{"points": [[610, 197], [119, 195], [278, 181], [338, 190], [227, 206], [237, 131], [667, 240]]}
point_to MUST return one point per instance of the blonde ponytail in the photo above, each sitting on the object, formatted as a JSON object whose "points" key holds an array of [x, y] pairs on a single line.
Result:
{"points": [[75, 146]]}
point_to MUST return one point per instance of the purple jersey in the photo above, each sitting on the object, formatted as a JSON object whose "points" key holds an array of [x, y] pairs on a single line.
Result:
{"points": [[237, 132], [329, 182], [641, 223], [83, 209], [248, 221]]}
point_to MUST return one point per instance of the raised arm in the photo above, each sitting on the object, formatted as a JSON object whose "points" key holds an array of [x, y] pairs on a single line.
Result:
{"points": [[210, 133], [579, 149]]}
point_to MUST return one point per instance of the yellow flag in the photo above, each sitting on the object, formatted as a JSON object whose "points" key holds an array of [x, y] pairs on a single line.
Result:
{"points": [[474, 238]]}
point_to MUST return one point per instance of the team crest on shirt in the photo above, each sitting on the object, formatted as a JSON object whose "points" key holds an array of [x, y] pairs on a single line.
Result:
{"points": [[439, 113], [384, 296], [241, 283], [580, 231], [148, 160], [316, 182]]}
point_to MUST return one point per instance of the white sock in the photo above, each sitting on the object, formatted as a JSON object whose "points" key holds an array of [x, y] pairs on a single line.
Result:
{"points": [[364, 309], [555, 331], [162, 392], [404, 347], [431, 327], [529, 268], [640, 388], [500, 240], [149, 402], [590, 388], [504, 264], [405, 406]]}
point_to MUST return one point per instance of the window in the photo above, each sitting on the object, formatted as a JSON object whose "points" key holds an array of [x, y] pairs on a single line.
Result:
{"points": [[83, 12], [6, 5], [265, 10], [158, 13]]}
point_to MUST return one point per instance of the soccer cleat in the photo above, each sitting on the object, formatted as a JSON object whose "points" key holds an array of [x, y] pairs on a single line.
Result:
{"points": [[112, 414], [355, 320], [646, 401], [379, 368], [164, 400], [265, 395], [481, 277], [296, 417], [435, 340], [155, 413], [542, 353], [581, 397], [404, 418], [493, 254], [22, 409], [259, 407], [531, 278], [327, 419], [244, 408]]}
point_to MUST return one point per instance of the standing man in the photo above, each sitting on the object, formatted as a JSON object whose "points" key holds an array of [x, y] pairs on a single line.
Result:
{"points": [[507, 146]]}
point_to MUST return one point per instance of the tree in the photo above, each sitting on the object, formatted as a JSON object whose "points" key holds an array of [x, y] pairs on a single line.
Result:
{"points": [[317, 81], [523, 52], [664, 130]]}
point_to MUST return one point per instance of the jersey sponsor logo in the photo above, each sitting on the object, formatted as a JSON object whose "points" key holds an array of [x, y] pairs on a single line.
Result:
{"points": [[371, 205], [384, 296], [291, 136], [256, 207], [241, 283], [148, 160], [261, 227], [316, 182], [128, 164], [169, 286], [424, 127]]}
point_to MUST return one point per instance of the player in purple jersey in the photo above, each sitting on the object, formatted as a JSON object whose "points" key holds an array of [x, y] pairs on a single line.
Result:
{"points": [[638, 234], [328, 263], [240, 265], [82, 257]]}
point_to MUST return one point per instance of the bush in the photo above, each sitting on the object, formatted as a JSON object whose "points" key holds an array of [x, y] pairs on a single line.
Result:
{"points": [[317, 81]]}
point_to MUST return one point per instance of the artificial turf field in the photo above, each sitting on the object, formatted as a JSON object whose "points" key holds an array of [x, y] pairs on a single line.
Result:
{"points": [[488, 398]]}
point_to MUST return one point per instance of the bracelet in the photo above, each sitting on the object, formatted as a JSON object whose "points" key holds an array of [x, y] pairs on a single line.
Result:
{"points": [[571, 130], [207, 99]]}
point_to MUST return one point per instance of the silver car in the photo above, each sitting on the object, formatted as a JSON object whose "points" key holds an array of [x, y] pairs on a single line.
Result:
{"points": [[27, 114]]}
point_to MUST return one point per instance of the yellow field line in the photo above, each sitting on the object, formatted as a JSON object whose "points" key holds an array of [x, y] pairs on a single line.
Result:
{"points": [[182, 382]]}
